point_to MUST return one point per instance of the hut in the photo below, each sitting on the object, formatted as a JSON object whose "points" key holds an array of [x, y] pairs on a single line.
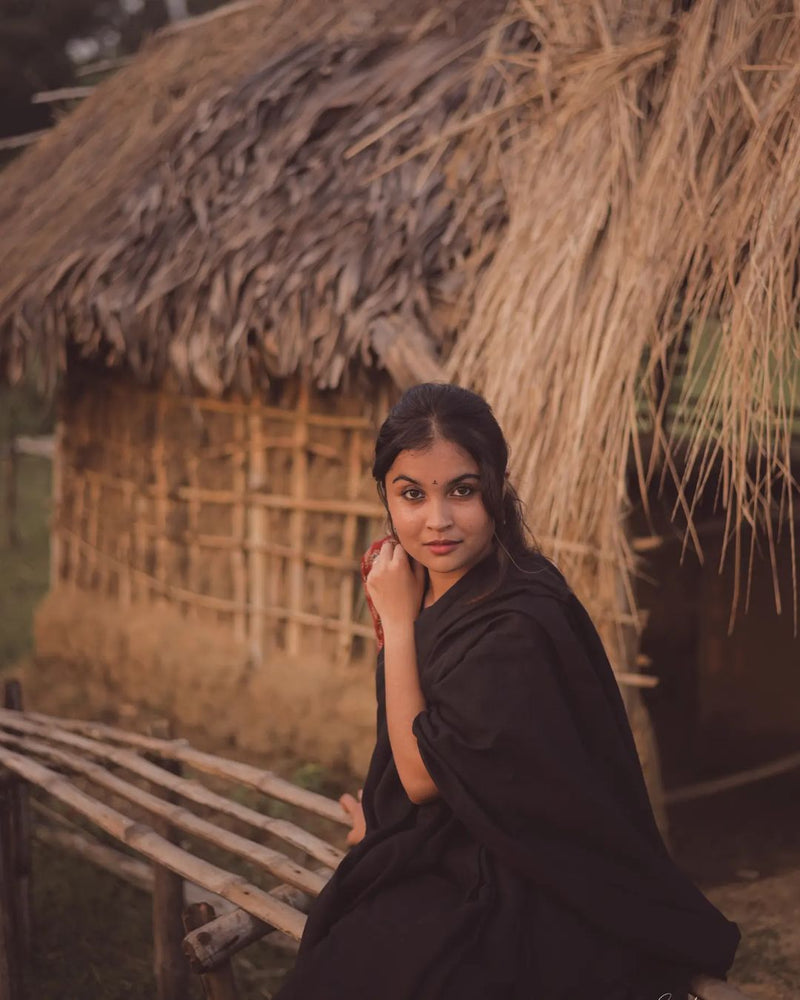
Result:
{"points": [[238, 249], [230, 260]]}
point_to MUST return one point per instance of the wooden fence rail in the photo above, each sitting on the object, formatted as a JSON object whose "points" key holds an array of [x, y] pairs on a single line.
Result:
{"points": [[98, 772]]}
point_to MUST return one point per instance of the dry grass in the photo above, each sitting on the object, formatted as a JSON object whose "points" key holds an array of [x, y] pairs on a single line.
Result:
{"points": [[652, 193], [187, 220]]}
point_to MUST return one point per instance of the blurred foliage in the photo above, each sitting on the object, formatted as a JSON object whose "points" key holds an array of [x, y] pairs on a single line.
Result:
{"points": [[34, 55], [25, 563]]}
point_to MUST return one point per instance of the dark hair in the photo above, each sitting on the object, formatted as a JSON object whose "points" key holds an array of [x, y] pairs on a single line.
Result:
{"points": [[440, 410]]}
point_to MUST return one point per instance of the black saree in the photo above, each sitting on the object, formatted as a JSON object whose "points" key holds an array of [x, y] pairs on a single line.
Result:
{"points": [[538, 872]]}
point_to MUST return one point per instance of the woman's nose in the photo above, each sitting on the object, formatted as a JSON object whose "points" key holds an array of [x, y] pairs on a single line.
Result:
{"points": [[439, 517]]}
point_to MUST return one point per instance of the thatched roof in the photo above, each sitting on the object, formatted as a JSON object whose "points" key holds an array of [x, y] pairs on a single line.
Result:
{"points": [[583, 191], [657, 209], [244, 199]]}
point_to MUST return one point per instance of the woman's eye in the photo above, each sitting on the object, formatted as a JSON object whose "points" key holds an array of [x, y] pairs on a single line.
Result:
{"points": [[408, 496], [463, 491]]}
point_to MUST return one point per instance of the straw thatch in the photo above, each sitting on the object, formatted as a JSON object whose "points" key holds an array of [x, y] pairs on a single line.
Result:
{"points": [[244, 200], [654, 224], [593, 196]]}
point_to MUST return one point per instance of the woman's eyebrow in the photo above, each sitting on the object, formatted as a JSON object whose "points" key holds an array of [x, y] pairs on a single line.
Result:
{"points": [[458, 479]]}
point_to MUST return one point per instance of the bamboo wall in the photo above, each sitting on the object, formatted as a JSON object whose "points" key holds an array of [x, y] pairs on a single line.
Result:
{"points": [[249, 515]]}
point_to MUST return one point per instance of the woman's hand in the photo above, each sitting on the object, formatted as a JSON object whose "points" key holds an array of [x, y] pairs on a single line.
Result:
{"points": [[395, 584], [355, 813]]}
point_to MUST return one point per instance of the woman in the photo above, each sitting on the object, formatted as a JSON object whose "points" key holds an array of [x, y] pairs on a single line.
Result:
{"points": [[510, 849]]}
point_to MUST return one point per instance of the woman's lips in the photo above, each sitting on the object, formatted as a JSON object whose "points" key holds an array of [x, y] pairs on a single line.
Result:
{"points": [[441, 548]]}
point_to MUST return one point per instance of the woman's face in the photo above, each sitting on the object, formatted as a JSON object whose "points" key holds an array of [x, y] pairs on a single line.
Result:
{"points": [[434, 496]]}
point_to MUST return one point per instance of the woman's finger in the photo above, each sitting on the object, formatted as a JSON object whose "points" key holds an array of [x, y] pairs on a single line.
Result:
{"points": [[399, 554], [348, 803]]}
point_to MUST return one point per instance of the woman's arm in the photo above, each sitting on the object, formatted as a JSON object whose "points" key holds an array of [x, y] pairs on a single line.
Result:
{"points": [[404, 702], [395, 585]]}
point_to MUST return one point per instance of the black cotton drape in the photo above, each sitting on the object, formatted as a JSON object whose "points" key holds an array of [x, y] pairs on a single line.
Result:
{"points": [[539, 872]]}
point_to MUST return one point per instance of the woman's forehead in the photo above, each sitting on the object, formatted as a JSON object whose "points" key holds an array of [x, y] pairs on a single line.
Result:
{"points": [[440, 460]]}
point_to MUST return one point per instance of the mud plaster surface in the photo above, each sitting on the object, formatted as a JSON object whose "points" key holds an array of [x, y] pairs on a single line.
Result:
{"points": [[94, 660]]}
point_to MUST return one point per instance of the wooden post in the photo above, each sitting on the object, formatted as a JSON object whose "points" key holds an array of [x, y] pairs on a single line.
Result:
{"points": [[170, 967], [12, 535], [349, 531], [57, 515], [161, 567], [297, 522], [20, 847], [239, 525], [220, 983], [130, 543], [10, 978], [193, 581], [257, 532]]}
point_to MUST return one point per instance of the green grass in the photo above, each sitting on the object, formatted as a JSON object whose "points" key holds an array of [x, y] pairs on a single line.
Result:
{"points": [[92, 932], [23, 559], [24, 576], [93, 939]]}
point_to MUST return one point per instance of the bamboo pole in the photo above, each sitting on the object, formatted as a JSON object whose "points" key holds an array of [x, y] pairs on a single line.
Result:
{"points": [[297, 522], [11, 475], [77, 487], [10, 983], [187, 23], [131, 548], [193, 583], [169, 966], [283, 415], [25, 139], [160, 501], [172, 816], [218, 984], [223, 542], [233, 931], [62, 94], [101, 66], [239, 529], [51, 730], [148, 843], [57, 509], [68, 836], [135, 873], [273, 501], [20, 874], [349, 534], [92, 549], [226, 604], [714, 786], [257, 528]]}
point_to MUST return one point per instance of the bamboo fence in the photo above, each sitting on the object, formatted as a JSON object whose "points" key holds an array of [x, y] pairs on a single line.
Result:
{"points": [[129, 788], [241, 514], [90, 776]]}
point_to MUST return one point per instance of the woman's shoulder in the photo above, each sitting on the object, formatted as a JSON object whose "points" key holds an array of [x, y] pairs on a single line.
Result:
{"points": [[533, 577]]}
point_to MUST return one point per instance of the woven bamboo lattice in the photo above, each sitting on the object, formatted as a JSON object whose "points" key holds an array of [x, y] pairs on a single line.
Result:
{"points": [[248, 515], [106, 776]]}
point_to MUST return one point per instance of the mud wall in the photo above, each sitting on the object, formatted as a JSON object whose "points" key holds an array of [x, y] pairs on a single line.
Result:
{"points": [[96, 660]]}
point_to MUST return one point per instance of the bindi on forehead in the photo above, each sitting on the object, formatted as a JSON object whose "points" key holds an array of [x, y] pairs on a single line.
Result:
{"points": [[401, 477]]}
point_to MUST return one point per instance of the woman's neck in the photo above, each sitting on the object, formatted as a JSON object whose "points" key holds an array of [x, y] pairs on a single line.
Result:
{"points": [[439, 583]]}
